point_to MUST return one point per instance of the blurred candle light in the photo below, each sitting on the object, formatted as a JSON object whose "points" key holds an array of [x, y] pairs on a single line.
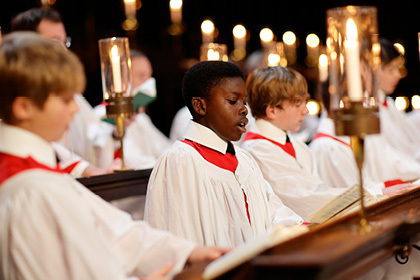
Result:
{"points": [[266, 36], [207, 31], [289, 40], [213, 51], [130, 8], [351, 45], [415, 102], [323, 67], [176, 11], [313, 107], [312, 49], [239, 42], [401, 103]]}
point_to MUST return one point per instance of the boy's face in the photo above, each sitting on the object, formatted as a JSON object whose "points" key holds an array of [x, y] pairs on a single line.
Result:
{"points": [[226, 111], [141, 70], [389, 76], [291, 116], [54, 118]]}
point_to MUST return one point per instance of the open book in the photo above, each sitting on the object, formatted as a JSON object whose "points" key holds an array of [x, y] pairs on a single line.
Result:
{"points": [[346, 202], [244, 252]]}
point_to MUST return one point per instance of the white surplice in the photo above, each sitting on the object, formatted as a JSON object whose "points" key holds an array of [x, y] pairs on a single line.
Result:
{"points": [[382, 162], [52, 227], [204, 203], [337, 166], [89, 137], [294, 180], [398, 130]]}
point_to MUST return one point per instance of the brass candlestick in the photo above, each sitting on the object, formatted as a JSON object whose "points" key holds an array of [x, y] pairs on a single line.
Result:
{"points": [[116, 83], [358, 121], [120, 107], [354, 58]]}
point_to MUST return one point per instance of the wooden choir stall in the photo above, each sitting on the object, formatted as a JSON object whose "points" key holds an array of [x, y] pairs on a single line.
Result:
{"points": [[335, 249]]}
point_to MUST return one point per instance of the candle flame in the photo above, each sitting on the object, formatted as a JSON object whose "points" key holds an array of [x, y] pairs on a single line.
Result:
{"points": [[351, 30], [114, 51], [175, 4], [289, 38], [323, 60], [266, 35], [207, 26], [239, 31], [213, 55], [312, 40]]}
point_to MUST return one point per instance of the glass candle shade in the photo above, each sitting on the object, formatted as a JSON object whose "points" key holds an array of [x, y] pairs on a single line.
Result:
{"points": [[116, 75], [354, 58], [213, 51]]}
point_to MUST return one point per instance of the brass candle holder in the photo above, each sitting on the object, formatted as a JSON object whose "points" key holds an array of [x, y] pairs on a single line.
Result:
{"points": [[354, 57], [357, 122], [116, 83]]}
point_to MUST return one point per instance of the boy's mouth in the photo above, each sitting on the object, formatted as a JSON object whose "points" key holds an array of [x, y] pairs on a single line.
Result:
{"points": [[242, 125]]}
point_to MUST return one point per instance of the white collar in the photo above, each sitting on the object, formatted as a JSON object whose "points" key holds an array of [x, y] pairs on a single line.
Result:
{"points": [[205, 136], [23, 143], [270, 131]]}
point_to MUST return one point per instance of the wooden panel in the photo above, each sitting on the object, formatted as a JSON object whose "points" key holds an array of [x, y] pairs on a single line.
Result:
{"points": [[118, 185], [337, 249]]}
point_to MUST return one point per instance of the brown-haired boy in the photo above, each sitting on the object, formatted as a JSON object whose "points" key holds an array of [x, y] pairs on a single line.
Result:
{"points": [[277, 97], [44, 210]]}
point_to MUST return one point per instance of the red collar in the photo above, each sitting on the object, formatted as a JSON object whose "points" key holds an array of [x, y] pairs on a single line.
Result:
{"points": [[11, 165], [321, 135], [226, 161], [288, 147]]}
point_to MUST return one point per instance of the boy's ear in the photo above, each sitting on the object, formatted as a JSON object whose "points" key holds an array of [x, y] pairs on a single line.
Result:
{"points": [[199, 105], [22, 108], [270, 112]]}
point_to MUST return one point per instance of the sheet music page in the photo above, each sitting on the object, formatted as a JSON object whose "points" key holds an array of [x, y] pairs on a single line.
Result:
{"points": [[336, 205], [251, 248]]}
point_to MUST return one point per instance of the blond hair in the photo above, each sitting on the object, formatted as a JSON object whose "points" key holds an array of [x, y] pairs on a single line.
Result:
{"points": [[35, 67], [273, 86]]}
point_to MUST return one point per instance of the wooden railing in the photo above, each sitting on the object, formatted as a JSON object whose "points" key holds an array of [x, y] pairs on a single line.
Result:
{"points": [[337, 249], [119, 184]]}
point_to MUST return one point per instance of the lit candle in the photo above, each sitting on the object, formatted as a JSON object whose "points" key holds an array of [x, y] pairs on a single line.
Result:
{"points": [[312, 49], [207, 31], [130, 8], [289, 40], [239, 37], [176, 11], [323, 67], [351, 46], [266, 37], [116, 69], [213, 55]]}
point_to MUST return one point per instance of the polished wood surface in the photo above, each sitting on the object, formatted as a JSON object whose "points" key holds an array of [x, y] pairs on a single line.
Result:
{"points": [[119, 184], [337, 249]]}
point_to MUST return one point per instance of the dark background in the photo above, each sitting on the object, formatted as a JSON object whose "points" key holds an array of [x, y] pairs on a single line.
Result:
{"points": [[87, 21]]}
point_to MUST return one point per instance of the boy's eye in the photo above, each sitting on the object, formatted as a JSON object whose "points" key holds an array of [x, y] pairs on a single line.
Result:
{"points": [[233, 102]]}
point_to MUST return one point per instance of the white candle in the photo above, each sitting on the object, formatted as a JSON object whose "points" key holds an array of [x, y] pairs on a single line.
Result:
{"points": [[176, 11], [130, 8], [323, 67], [239, 37], [207, 31], [116, 69], [351, 45]]}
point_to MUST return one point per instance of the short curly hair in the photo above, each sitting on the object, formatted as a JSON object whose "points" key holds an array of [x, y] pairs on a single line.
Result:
{"points": [[205, 75]]}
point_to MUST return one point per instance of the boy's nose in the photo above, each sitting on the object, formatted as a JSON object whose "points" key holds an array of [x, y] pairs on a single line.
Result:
{"points": [[244, 110]]}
